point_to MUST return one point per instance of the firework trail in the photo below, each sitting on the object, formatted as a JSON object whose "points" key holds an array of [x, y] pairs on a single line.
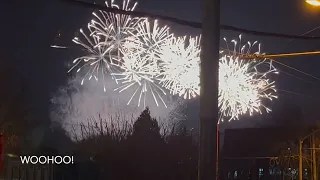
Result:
{"points": [[104, 42]]}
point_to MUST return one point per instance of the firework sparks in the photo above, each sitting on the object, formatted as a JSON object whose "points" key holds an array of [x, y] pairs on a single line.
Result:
{"points": [[149, 39], [140, 59], [144, 57], [180, 67], [242, 87], [95, 61], [115, 27], [58, 47], [106, 38], [139, 72]]}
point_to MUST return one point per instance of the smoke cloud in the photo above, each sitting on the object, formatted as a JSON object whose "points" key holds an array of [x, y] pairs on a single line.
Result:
{"points": [[74, 105]]}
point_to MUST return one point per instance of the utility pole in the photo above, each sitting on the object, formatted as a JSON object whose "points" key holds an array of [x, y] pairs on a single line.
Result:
{"points": [[218, 151], [209, 74], [314, 159], [300, 160], [313, 154]]}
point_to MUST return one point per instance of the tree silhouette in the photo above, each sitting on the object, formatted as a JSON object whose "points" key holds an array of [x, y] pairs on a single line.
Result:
{"points": [[146, 128], [146, 148], [142, 154]]}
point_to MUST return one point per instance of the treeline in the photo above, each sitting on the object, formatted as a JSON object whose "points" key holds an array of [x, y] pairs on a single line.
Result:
{"points": [[140, 153]]}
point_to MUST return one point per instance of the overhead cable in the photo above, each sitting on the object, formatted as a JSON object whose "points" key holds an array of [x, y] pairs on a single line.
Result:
{"points": [[182, 22]]}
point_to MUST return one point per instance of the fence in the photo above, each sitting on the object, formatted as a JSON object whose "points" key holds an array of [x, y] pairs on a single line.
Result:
{"points": [[15, 170]]}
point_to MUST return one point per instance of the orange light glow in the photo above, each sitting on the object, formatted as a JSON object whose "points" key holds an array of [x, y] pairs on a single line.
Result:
{"points": [[313, 2]]}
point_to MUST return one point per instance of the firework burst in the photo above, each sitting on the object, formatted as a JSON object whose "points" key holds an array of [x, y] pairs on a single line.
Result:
{"points": [[115, 28], [138, 73], [95, 62], [149, 39], [179, 69], [242, 87], [140, 62], [145, 57], [243, 84], [107, 35]]}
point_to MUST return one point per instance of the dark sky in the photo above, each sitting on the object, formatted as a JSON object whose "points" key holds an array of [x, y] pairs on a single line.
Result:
{"points": [[29, 27]]}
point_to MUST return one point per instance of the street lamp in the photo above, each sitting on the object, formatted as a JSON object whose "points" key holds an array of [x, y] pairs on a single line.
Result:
{"points": [[313, 2]]}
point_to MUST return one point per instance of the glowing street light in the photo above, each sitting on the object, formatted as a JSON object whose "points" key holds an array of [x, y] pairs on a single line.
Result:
{"points": [[313, 2]]}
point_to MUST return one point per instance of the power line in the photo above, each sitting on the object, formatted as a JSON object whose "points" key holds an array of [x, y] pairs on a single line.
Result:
{"points": [[308, 32], [296, 77], [198, 25], [294, 93], [253, 56], [316, 28], [183, 22], [271, 56], [307, 74], [254, 157], [256, 56]]}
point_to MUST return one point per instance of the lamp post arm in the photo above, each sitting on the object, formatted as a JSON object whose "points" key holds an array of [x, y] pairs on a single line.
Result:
{"points": [[302, 139]]}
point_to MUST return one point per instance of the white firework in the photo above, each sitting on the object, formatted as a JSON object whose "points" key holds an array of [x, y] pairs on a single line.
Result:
{"points": [[149, 39], [144, 55], [179, 69], [95, 62], [140, 60], [138, 73], [116, 27], [242, 87], [108, 32], [242, 84]]}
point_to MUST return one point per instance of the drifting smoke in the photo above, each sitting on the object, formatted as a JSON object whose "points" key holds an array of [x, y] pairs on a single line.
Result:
{"points": [[76, 106]]}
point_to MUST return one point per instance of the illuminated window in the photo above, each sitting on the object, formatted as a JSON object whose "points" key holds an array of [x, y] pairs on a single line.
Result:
{"points": [[260, 172], [271, 171]]}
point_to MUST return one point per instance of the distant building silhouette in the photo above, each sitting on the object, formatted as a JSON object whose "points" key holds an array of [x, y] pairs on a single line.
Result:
{"points": [[250, 153]]}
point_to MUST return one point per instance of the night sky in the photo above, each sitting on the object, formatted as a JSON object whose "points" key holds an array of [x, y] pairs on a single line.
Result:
{"points": [[29, 28]]}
